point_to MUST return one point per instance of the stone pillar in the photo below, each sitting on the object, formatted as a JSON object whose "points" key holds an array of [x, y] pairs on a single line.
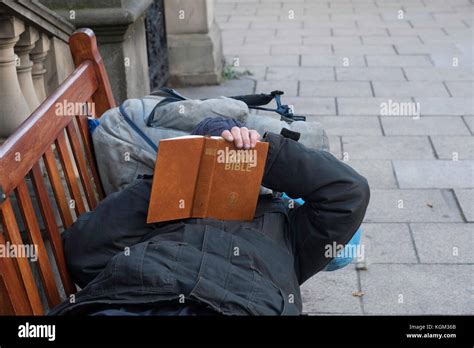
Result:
{"points": [[38, 55], [125, 57], [120, 30], [14, 108], [194, 42], [58, 63], [23, 48]]}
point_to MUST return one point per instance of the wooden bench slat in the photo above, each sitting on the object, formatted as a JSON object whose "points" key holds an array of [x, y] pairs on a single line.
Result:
{"points": [[82, 165], [69, 173], [89, 148], [13, 234], [34, 235], [51, 228], [58, 188], [15, 290]]}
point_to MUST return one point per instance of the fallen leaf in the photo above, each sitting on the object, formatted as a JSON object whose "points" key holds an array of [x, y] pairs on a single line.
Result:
{"points": [[358, 293]]}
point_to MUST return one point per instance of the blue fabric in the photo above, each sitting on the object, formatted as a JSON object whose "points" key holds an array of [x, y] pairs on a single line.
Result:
{"points": [[92, 124], [339, 261], [215, 126]]}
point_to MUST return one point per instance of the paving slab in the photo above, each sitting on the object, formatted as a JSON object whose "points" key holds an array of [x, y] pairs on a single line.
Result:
{"points": [[277, 49], [300, 73], [256, 24], [335, 89], [434, 173], [369, 74], [227, 88], [340, 40], [453, 16], [427, 39], [394, 147], [412, 16], [339, 60], [379, 173], [424, 125], [248, 60], [365, 106], [349, 125], [358, 31], [439, 74], [400, 61], [381, 24], [256, 33], [233, 38], [443, 60], [423, 288], [465, 198], [446, 106], [426, 49], [470, 122], [312, 105], [331, 292], [461, 89], [246, 49], [387, 243], [391, 40], [453, 147], [285, 33], [409, 89], [250, 38], [456, 31], [400, 32], [363, 49], [444, 243], [392, 205], [357, 16]]}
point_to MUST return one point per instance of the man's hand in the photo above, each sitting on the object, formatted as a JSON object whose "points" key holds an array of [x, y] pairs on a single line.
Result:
{"points": [[242, 137]]}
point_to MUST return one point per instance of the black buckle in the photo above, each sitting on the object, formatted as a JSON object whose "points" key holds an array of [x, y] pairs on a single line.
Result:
{"points": [[285, 111]]}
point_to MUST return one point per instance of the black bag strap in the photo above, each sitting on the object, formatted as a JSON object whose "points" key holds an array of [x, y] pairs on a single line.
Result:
{"points": [[168, 92], [137, 129], [253, 101], [285, 112]]}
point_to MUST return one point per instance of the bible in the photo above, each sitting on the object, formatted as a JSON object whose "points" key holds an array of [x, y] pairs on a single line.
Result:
{"points": [[205, 177]]}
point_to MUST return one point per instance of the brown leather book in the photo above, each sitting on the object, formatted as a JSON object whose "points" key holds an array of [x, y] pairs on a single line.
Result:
{"points": [[199, 177]]}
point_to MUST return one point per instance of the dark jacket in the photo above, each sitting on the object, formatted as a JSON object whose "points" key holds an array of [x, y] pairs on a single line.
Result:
{"points": [[235, 267]]}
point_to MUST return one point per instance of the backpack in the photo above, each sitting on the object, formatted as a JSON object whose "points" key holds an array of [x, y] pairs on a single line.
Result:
{"points": [[127, 137]]}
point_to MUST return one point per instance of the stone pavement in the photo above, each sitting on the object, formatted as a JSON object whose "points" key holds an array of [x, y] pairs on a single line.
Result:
{"points": [[341, 62]]}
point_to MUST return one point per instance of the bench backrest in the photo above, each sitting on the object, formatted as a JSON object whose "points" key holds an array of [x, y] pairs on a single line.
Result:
{"points": [[29, 158]]}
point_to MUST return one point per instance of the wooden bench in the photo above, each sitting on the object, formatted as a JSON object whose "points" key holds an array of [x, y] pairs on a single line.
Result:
{"points": [[30, 154]]}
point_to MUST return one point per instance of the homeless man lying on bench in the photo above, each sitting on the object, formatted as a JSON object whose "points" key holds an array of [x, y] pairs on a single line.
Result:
{"points": [[205, 266]]}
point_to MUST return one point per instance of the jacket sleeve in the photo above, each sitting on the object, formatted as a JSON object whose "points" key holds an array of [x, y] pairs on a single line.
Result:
{"points": [[336, 199]]}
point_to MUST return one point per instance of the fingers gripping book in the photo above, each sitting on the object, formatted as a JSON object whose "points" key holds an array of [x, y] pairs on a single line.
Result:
{"points": [[205, 177]]}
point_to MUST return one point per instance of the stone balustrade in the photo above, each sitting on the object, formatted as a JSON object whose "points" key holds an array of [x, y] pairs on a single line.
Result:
{"points": [[24, 49], [15, 108]]}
